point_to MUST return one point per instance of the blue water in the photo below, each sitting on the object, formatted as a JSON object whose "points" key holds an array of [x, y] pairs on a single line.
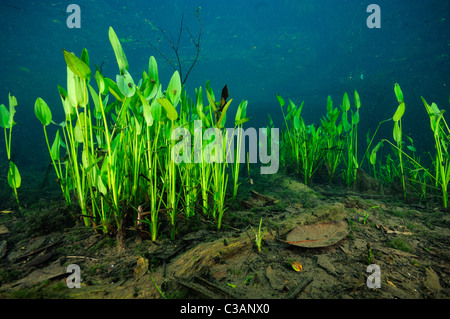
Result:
{"points": [[301, 49]]}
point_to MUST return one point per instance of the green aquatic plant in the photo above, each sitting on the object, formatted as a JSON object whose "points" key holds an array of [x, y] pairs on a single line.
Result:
{"points": [[397, 132], [7, 123], [240, 119], [351, 131], [398, 147], [409, 167], [302, 145], [128, 149], [334, 139], [441, 134], [258, 235]]}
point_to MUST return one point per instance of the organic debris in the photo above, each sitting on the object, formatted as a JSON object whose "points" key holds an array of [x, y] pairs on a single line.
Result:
{"points": [[318, 235]]}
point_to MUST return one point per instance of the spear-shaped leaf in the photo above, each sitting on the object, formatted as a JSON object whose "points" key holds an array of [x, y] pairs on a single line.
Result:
{"points": [[172, 113], [77, 66], [398, 93], [118, 51]]}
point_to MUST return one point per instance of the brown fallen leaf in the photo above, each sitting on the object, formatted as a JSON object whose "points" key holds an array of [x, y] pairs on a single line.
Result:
{"points": [[318, 235]]}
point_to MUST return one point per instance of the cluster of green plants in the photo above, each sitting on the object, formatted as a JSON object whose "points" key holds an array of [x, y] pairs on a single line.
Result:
{"points": [[7, 123], [333, 147], [408, 168], [127, 152], [333, 144], [131, 158]]}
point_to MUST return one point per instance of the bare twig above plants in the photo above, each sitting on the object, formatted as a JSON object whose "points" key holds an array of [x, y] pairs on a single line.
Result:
{"points": [[175, 46]]}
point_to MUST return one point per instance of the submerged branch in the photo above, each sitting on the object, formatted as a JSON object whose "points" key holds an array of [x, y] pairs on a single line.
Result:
{"points": [[175, 47]]}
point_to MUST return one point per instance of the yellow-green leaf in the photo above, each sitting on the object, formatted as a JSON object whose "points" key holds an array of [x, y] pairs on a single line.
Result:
{"points": [[357, 100], [172, 113], [14, 179], [397, 133], [42, 111], [118, 51], [219, 122], [212, 103], [346, 102], [76, 65], [398, 93], [399, 113]]}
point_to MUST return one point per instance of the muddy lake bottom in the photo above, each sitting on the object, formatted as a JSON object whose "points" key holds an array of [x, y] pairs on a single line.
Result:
{"points": [[408, 240]]}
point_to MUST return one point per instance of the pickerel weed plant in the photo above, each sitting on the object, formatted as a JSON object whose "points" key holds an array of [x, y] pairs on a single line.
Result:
{"points": [[302, 144], [128, 147], [7, 123], [335, 142], [351, 137], [441, 134], [409, 167]]}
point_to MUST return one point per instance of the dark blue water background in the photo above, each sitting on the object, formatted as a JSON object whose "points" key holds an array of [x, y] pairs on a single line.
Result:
{"points": [[303, 49]]}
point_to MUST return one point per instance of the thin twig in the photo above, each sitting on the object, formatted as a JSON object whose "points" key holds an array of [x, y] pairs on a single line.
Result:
{"points": [[176, 47], [197, 45]]}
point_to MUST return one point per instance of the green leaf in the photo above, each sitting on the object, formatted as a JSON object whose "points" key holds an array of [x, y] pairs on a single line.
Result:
{"points": [[211, 100], [114, 89], [155, 109], [150, 90], [147, 111], [85, 159], [77, 66], [346, 102], [280, 100], [100, 83], [171, 111], [75, 89], [14, 179], [153, 71], [346, 125], [4, 117], [373, 155], [241, 112], [199, 99], [397, 133], [42, 111], [12, 102], [85, 56], [222, 116], [434, 108], [173, 91], [118, 51], [411, 148], [357, 100], [7, 117], [69, 110], [125, 84], [79, 128], [398, 93], [297, 123], [101, 187], [54, 151], [330, 105], [355, 118], [399, 113], [242, 121]]}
